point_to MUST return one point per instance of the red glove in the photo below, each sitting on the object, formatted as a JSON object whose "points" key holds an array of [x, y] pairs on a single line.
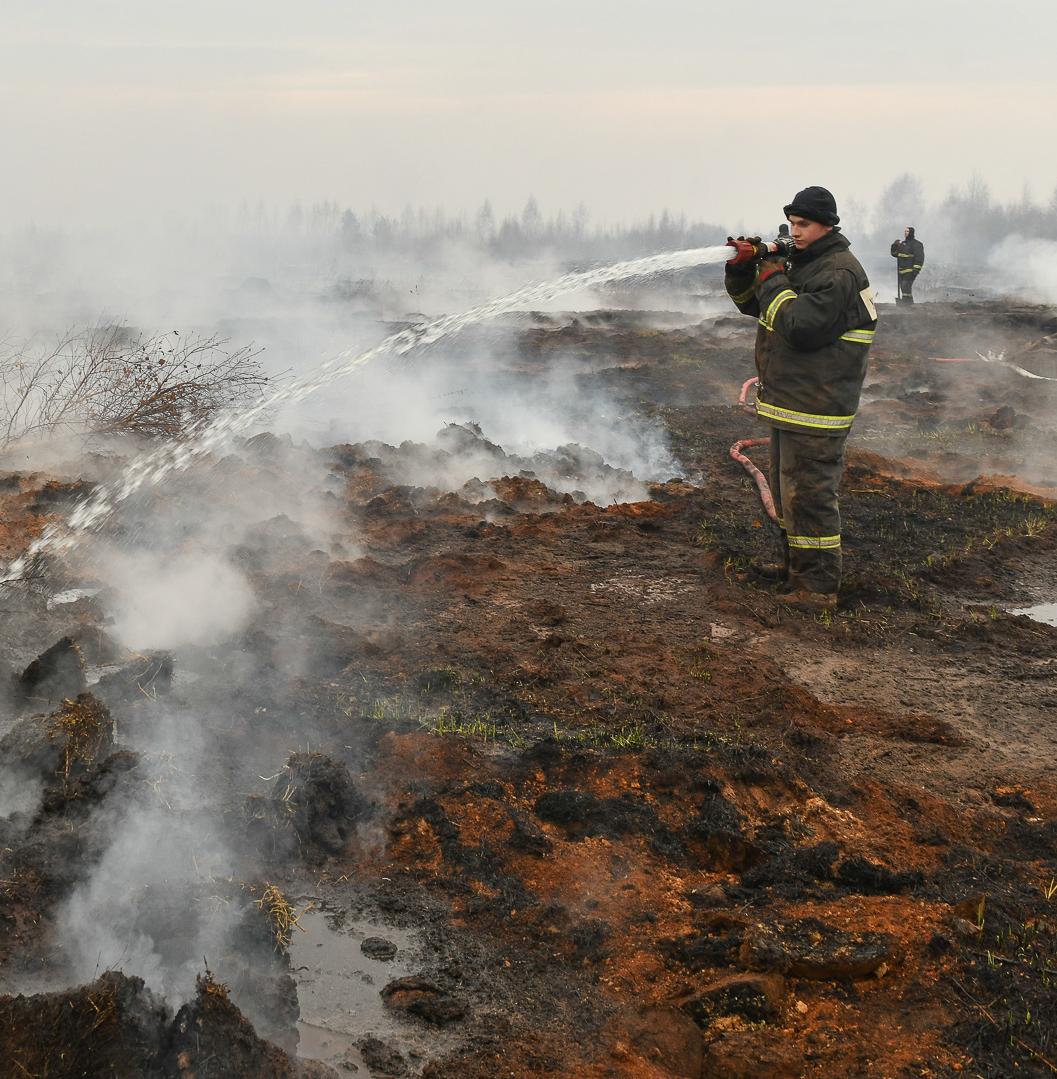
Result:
{"points": [[746, 249]]}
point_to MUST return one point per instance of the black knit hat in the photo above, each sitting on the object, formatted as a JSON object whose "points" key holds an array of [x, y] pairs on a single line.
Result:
{"points": [[816, 204]]}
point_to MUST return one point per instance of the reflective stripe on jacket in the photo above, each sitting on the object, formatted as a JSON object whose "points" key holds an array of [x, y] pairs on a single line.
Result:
{"points": [[816, 325]]}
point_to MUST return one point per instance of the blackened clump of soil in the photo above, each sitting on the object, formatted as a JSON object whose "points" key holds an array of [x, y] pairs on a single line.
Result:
{"points": [[314, 807], [56, 673], [112, 1027], [116, 1028], [211, 1039], [61, 746]]}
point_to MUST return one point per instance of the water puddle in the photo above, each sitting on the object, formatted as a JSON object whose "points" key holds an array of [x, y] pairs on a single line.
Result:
{"points": [[94, 671], [71, 595], [339, 987], [648, 591], [181, 678], [1044, 612]]}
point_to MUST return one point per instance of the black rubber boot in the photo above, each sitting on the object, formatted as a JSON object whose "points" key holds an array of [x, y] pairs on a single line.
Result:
{"points": [[775, 572], [771, 571]]}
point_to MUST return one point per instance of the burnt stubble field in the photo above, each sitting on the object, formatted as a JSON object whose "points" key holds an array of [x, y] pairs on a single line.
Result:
{"points": [[493, 780]]}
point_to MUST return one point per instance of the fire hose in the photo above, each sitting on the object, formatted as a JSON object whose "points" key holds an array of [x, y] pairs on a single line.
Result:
{"points": [[997, 358], [751, 249], [747, 443]]}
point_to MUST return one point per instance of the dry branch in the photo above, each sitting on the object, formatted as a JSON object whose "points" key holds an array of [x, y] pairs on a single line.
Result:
{"points": [[105, 380]]}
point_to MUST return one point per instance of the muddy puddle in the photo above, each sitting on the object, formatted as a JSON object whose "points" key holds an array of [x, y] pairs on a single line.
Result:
{"points": [[1042, 612], [643, 589], [341, 967], [71, 595], [181, 678]]}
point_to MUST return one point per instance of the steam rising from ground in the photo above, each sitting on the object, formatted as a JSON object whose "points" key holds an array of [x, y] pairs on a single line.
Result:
{"points": [[528, 415], [163, 602], [146, 909], [20, 794], [160, 897], [164, 894]]}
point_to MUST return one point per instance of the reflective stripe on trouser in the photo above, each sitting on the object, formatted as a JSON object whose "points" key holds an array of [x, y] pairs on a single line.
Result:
{"points": [[906, 283], [810, 421], [805, 474]]}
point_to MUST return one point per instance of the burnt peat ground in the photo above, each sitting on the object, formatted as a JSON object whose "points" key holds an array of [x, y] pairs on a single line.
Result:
{"points": [[638, 820]]}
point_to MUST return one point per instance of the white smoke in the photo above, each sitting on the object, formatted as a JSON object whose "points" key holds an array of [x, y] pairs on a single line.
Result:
{"points": [[172, 580], [162, 601], [146, 909], [529, 415], [20, 794], [1026, 268], [161, 897]]}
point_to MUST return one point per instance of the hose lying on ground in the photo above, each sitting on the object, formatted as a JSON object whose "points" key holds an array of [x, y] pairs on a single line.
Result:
{"points": [[992, 357], [747, 443]]}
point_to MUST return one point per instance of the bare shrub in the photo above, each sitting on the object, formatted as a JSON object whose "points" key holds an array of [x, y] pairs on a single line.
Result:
{"points": [[106, 380]]}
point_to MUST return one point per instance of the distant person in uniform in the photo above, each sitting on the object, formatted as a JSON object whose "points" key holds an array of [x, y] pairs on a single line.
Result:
{"points": [[909, 254], [783, 231]]}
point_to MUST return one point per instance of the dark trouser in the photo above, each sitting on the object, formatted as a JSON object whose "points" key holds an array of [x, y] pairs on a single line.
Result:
{"points": [[906, 287], [805, 473]]}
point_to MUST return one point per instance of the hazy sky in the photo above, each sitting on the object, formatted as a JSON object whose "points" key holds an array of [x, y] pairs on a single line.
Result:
{"points": [[134, 109]]}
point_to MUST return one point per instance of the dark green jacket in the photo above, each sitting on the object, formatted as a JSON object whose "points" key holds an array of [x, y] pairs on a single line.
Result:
{"points": [[817, 323], [911, 255]]}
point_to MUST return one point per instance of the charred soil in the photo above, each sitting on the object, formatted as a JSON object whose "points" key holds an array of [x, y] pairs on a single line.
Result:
{"points": [[639, 820]]}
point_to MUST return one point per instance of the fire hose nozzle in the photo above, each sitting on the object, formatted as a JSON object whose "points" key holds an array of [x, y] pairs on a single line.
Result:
{"points": [[754, 249]]}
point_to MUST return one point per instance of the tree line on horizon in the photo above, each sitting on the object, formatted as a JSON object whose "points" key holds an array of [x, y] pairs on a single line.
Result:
{"points": [[510, 237], [959, 229], [967, 222]]}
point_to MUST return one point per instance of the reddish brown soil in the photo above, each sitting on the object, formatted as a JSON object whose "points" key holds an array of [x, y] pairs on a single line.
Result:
{"points": [[665, 827]]}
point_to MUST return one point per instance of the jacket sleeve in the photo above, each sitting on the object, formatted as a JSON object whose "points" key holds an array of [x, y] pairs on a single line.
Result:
{"points": [[741, 288], [919, 255], [810, 319], [895, 249]]}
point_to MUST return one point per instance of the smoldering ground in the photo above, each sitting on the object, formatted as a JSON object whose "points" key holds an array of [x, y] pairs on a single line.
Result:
{"points": [[525, 409], [150, 877], [154, 886], [206, 567], [396, 636]]}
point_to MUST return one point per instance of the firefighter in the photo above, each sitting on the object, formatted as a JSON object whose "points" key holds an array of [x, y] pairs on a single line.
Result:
{"points": [[816, 324], [909, 254]]}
